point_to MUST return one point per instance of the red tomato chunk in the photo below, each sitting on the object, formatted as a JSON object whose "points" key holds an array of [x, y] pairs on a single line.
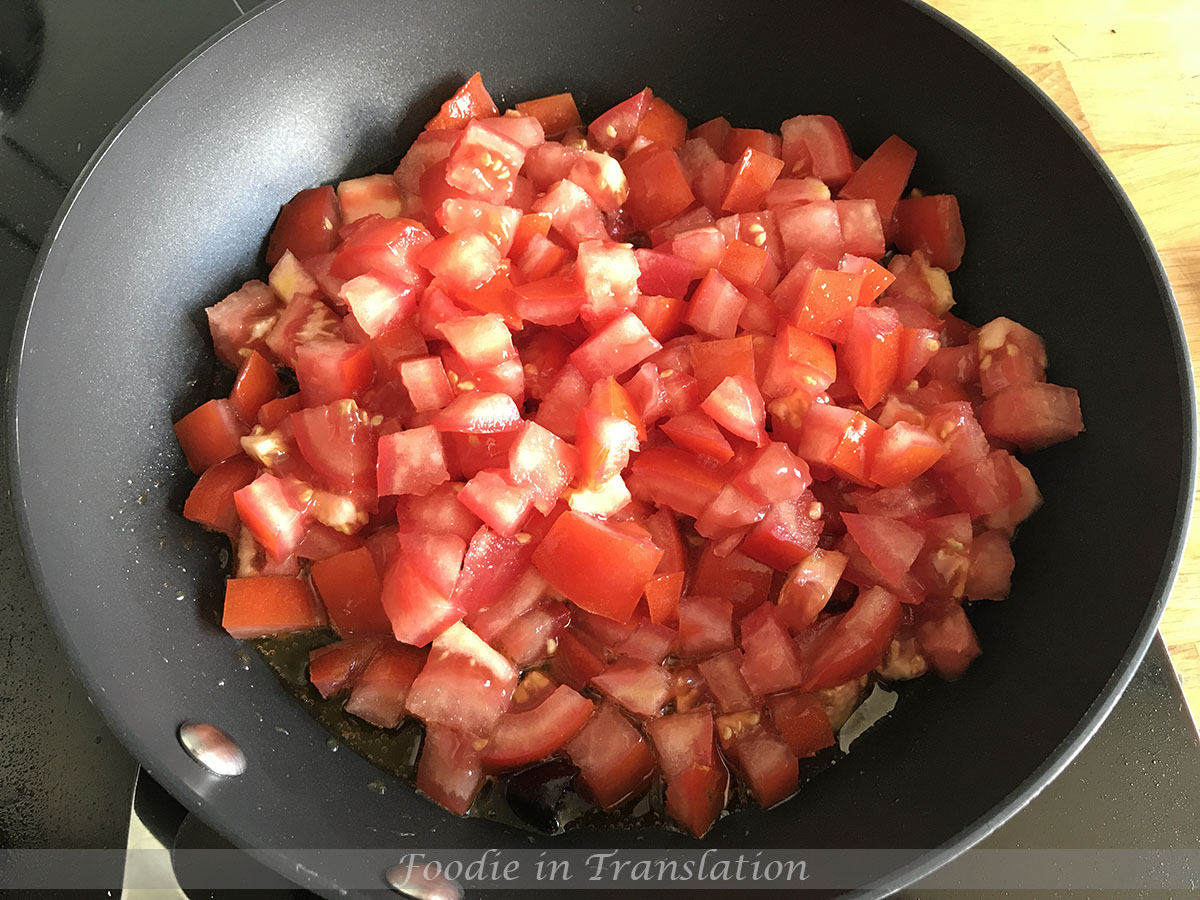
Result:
{"points": [[623, 447]]}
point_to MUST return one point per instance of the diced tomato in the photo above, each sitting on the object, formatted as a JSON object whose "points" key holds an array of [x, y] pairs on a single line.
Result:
{"points": [[556, 112], [658, 188], [493, 565], [766, 763], [411, 462], [560, 407], [1026, 503], [335, 667], [465, 684], [954, 423], [471, 101], [662, 124], [817, 145], [574, 215], [786, 535], [946, 639], [742, 581], [985, 486], [381, 690], [463, 260], [651, 641], [722, 673], [308, 224], [697, 432], [425, 381], [771, 661], [211, 502], [920, 283], [862, 231], [270, 605], [696, 797], [274, 514], [520, 738], [705, 625], [617, 347], [350, 587], [716, 306], [931, 224], [256, 384], [808, 588], [337, 440], [242, 321], [543, 462], [904, 452], [501, 504], [882, 176], [773, 474], [479, 412], [210, 434], [801, 720], [389, 246], [641, 687], [990, 573], [663, 274], [753, 174], [682, 740], [839, 438], [551, 301], [714, 132], [662, 594], [450, 772], [1033, 415], [614, 760], [418, 610], [856, 644], [889, 544], [603, 568], [618, 126], [871, 354]]}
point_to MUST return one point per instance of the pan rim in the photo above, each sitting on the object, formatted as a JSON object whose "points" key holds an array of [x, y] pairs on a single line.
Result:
{"points": [[285, 862]]}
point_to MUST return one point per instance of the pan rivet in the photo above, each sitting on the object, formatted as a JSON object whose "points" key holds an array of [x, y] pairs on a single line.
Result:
{"points": [[212, 748], [410, 882]]}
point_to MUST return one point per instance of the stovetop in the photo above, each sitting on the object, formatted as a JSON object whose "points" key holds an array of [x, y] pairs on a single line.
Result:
{"points": [[69, 70]]}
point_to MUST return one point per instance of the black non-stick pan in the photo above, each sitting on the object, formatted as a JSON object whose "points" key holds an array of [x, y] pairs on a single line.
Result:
{"points": [[171, 213]]}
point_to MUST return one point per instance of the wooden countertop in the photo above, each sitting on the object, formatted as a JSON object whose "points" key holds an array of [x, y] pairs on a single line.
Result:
{"points": [[1128, 73]]}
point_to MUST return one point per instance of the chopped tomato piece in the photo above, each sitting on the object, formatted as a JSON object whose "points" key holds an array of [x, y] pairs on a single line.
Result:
{"points": [[307, 225], [753, 174], [615, 762], [715, 306], [350, 587], [1033, 415], [946, 639], [931, 224], [465, 684], [742, 581], [871, 354], [411, 462], [270, 605], [618, 126], [857, 643], [641, 687], [615, 349], [705, 625], [479, 412], [524, 737], [471, 101], [601, 567], [785, 536], [500, 504], [450, 772], [801, 720], [210, 434], [662, 594], [839, 438], [771, 661], [882, 176], [274, 513], [658, 188], [493, 565], [211, 501], [335, 667], [737, 406], [662, 123], [722, 673], [765, 762], [556, 112], [817, 145], [696, 797], [381, 689]]}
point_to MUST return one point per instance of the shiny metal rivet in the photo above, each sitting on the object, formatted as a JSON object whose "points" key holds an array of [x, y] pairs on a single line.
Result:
{"points": [[212, 748], [412, 883]]}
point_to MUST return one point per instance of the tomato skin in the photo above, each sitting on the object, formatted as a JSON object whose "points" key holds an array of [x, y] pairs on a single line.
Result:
{"points": [[1033, 415], [471, 101], [210, 434], [839, 438], [904, 452], [269, 605], [856, 644], [257, 383], [677, 479], [696, 432], [931, 224], [556, 112], [596, 565], [658, 189], [336, 667], [308, 224], [882, 176], [211, 503], [753, 174], [696, 797], [349, 585], [387, 245], [828, 303]]}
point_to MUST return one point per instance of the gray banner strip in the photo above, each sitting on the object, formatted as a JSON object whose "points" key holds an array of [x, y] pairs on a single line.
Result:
{"points": [[526, 870]]}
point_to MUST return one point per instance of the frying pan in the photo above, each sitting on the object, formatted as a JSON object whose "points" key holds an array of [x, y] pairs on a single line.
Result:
{"points": [[170, 215]]}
